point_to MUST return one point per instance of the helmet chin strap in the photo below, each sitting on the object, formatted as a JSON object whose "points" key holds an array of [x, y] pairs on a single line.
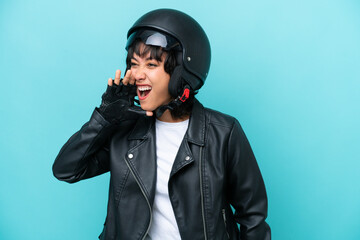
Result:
{"points": [[174, 103]]}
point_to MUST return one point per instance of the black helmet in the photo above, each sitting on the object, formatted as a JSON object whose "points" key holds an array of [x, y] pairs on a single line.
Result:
{"points": [[176, 28]]}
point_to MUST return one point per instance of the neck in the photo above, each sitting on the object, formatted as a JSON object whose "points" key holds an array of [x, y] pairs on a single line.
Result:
{"points": [[167, 117]]}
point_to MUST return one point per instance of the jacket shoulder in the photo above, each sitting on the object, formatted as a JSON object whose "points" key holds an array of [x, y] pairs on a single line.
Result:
{"points": [[218, 118]]}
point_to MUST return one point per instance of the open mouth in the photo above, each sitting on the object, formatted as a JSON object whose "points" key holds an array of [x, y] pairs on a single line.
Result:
{"points": [[143, 92]]}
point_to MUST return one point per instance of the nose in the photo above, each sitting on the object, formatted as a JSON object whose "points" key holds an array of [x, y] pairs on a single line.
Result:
{"points": [[138, 74]]}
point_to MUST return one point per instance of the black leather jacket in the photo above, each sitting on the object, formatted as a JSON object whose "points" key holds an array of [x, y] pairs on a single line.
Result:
{"points": [[214, 169]]}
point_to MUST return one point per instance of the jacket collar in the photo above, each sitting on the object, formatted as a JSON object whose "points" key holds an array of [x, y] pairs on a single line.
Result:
{"points": [[196, 130], [195, 133]]}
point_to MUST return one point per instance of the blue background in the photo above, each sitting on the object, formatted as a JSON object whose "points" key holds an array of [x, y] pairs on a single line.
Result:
{"points": [[288, 70]]}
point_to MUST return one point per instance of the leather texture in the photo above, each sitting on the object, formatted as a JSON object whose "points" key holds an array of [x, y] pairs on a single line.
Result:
{"points": [[214, 171], [117, 103]]}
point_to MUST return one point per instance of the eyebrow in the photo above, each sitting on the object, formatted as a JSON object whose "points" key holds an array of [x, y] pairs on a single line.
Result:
{"points": [[149, 58]]}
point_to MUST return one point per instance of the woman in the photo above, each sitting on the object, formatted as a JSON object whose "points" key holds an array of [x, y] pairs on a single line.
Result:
{"points": [[176, 167]]}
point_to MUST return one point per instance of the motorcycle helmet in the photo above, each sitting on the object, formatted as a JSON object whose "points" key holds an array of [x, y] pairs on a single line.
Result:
{"points": [[175, 30]]}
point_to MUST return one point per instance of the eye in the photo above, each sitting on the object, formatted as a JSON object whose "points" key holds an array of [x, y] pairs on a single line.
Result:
{"points": [[132, 64], [152, 64]]}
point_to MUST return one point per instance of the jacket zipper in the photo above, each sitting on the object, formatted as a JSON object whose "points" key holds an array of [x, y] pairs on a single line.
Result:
{"points": [[147, 200], [202, 195], [224, 217]]}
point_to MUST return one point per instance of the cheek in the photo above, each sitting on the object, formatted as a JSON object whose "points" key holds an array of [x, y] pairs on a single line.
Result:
{"points": [[166, 90], [165, 87], [163, 84]]}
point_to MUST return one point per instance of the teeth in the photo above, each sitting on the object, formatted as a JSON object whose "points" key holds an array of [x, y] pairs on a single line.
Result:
{"points": [[144, 88]]}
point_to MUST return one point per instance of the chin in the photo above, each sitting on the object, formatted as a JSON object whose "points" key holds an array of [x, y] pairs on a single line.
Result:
{"points": [[145, 107]]}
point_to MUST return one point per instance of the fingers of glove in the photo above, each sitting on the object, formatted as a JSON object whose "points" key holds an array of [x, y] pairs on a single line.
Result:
{"points": [[108, 95], [121, 89], [127, 86], [131, 87], [132, 92], [117, 77], [111, 88], [108, 89], [126, 92]]}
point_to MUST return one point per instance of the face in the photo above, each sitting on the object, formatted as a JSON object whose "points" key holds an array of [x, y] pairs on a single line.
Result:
{"points": [[151, 80]]}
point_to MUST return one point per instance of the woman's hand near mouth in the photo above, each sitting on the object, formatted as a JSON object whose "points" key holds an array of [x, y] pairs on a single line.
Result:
{"points": [[128, 79]]}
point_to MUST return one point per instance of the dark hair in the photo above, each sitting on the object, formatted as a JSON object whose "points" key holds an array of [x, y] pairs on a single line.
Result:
{"points": [[185, 108]]}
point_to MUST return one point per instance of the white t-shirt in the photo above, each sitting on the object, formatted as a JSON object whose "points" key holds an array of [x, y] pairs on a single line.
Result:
{"points": [[168, 139]]}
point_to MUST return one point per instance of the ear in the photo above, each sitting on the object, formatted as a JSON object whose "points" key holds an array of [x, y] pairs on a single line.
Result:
{"points": [[175, 84]]}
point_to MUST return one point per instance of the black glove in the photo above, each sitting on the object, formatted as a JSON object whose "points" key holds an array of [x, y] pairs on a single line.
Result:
{"points": [[118, 103]]}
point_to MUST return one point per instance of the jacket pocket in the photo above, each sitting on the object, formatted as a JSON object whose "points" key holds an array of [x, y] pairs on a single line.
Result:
{"points": [[224, 218]]}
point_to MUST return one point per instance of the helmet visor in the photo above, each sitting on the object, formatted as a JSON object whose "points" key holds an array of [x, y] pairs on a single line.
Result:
{"points": [[153, 38]]}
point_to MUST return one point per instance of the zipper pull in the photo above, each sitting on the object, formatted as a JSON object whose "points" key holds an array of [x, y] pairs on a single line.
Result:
{"points": [[224, 214]]}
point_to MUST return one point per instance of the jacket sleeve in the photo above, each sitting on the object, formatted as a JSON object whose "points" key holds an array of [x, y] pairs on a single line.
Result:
{"points": [[86, 153], [248, 194]]}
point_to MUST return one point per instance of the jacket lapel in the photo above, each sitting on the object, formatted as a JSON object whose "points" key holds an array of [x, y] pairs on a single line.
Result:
{"points": [[195, 135], [196, 130], [141, 156]]}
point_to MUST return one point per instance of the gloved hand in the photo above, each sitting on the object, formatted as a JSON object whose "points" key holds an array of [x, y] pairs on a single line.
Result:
{"points": [[118, 101]]}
